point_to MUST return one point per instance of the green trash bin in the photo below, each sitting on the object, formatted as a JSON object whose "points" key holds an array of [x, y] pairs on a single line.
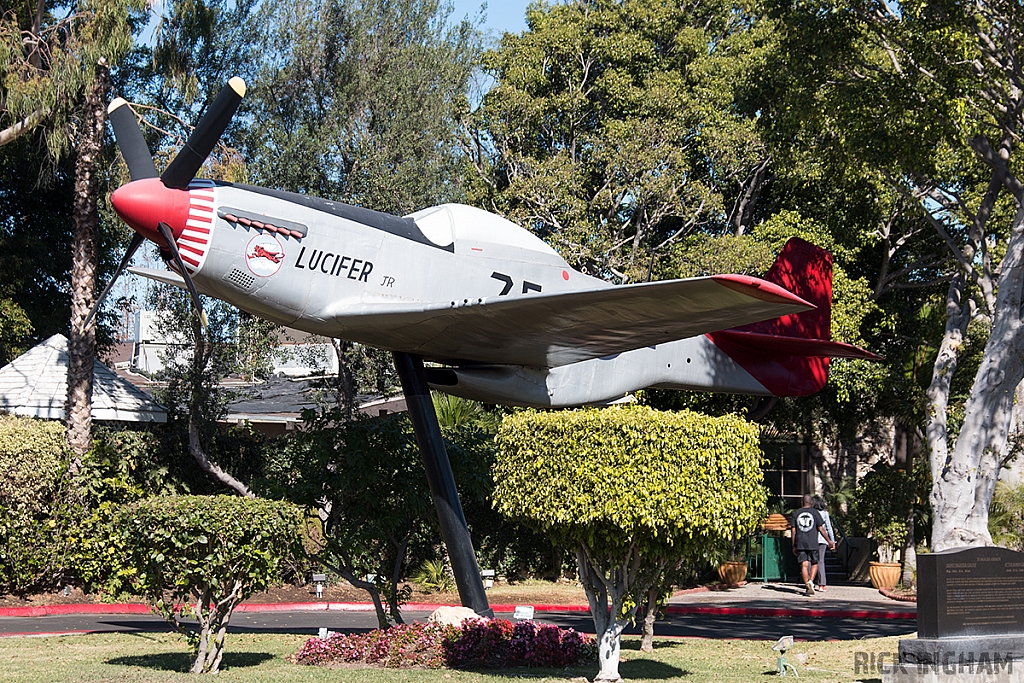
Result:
{"points": [[769, 557]]}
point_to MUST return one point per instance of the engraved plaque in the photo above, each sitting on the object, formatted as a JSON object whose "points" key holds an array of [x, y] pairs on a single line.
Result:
{"points": [[970, 592]]}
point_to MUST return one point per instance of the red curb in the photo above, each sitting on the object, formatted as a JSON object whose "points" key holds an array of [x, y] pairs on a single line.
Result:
{"points": [[792, 612], [134, 608], [544, 608], [50, 610]]}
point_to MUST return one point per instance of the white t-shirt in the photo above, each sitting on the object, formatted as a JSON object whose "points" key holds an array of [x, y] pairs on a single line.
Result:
{"points": [[828, 527]]}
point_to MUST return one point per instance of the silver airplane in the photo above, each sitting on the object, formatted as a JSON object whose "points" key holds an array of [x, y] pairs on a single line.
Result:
{"points": [[502, 316]]}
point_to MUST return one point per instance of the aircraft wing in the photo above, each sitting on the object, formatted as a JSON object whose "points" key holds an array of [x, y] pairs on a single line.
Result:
{"points": [[557, 329], [168, 277], [549, 330]]}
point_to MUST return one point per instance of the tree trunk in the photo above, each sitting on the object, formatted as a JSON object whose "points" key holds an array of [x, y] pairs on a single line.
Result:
{"points": [[609, 623], [82, 341], [393, 603], [650, 614], [211, 468], [964, 482], [909, 553], [345, 389], [909, 447], [608, 645], [383, 622], [213, 623]]}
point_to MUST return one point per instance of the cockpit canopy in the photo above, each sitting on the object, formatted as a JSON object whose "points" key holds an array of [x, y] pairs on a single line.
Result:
{"points": [[472, 229]]}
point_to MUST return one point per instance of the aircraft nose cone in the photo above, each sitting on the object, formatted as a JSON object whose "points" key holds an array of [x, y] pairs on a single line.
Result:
{"points": [[143, 204]]}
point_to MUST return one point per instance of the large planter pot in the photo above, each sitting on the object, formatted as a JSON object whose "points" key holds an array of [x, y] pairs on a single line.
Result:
{"points": [[884, 574], [732, 573]]}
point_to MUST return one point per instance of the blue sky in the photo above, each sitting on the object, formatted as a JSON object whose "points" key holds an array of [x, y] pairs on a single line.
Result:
{"points": [[502, 15]]}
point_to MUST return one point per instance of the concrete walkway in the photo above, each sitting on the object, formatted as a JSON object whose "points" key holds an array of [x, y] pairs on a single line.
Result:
{"points": [[788, 599]]}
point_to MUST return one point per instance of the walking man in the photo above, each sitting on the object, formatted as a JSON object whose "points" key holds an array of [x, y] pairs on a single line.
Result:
{"points": [[807, 524]]}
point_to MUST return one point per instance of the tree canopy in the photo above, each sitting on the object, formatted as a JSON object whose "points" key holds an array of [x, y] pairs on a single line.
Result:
{"points": [[613, 129]]}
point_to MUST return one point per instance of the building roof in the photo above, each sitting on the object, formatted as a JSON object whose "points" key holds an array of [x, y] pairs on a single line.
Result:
{"points": [[281, 400], [35, 385]]}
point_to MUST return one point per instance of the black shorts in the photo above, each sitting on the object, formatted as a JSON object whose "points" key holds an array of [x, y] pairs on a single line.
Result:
{"points": [[807, 556]]}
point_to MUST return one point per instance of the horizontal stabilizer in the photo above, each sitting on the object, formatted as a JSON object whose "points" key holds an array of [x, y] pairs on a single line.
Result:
{"points": [[780, 346]]}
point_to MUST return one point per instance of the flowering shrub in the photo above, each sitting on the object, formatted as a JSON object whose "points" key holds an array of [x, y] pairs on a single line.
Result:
{"points": [[478, 643], [497, 643], [401, 646]]}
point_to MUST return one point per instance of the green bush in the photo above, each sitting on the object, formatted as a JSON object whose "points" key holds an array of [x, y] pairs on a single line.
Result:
{"points": [[1006, 517], [208, 552], [117, 470], [34, 457], [673, 477], [884, 500], [434, 576]]}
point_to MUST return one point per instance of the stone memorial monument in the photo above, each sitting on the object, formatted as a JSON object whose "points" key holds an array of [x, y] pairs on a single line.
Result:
{"points": [[970, 619]]}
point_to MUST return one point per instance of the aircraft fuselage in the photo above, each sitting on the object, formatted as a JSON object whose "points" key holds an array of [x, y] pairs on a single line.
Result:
{"points": [[322, 266]]}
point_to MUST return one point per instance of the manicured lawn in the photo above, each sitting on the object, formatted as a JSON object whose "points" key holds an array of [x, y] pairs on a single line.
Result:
{"points": [[155, 657]]}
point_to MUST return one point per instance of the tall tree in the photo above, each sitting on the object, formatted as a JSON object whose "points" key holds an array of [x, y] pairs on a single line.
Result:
{"points": [[360, 105], [360, 102], [613, 128], [931, 96], [57, 61]]}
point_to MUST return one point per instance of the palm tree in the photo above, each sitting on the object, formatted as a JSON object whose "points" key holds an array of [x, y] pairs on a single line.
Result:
{"points": [[461, 413], [57, 80]]}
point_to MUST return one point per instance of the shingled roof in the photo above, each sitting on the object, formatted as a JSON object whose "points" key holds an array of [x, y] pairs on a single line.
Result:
{"points": [[35, 385]]}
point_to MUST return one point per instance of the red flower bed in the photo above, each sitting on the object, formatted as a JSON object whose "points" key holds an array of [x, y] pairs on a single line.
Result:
{"points": [[401, 646], [490, 643]]}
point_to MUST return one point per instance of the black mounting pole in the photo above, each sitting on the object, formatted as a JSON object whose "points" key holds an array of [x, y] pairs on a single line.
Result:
{"points": [[454, 530]]}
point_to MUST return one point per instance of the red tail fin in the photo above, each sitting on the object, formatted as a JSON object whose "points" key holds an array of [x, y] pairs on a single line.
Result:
{"points": [[805, 270], [789, 356]]}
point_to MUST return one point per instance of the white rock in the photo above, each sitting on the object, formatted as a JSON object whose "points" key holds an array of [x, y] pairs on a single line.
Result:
{"points": [[452, 615]]}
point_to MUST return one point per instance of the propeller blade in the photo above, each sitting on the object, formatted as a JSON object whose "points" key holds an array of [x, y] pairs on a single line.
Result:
{"points": [[133, 246], [190, 158], [165, 230], [130, 141]]}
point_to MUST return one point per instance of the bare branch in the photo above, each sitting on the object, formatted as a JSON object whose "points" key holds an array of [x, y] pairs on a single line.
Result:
{"points": [[195, 449], [12, 133]]}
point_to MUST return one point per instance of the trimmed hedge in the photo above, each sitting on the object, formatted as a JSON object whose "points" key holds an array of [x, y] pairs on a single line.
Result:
{"points": [[208, 552], [34, 457], [630, 470], [634, 491]]}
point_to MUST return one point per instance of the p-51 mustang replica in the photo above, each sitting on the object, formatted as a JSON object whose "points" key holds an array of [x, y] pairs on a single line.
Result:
{"points": [[505, 317], [509, 320]]}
